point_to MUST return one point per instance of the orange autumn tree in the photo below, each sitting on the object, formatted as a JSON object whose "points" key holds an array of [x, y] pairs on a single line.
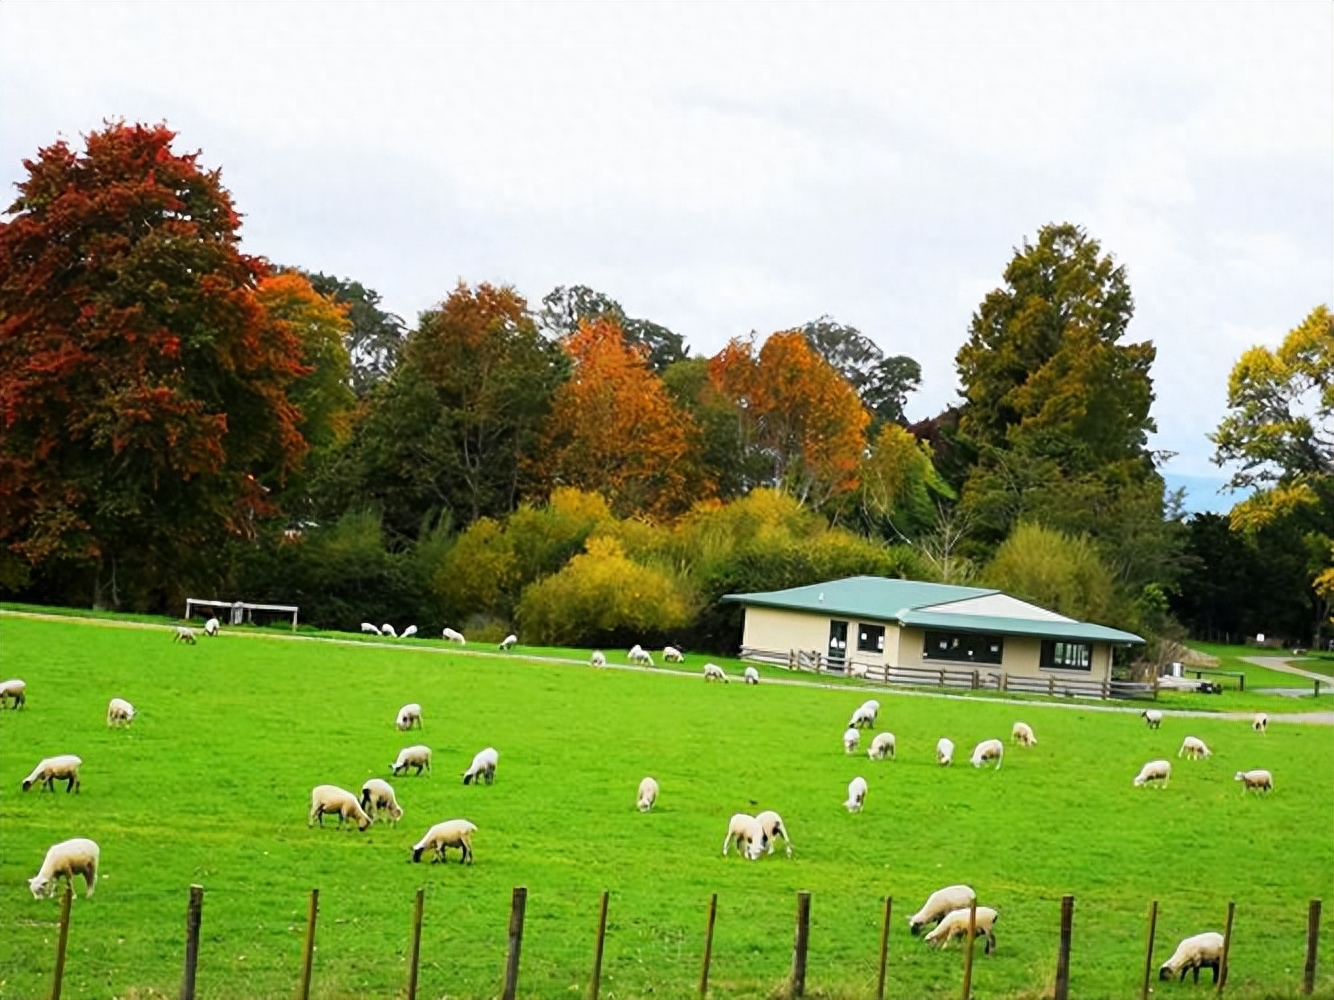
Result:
{"points": [[614, 430], [798, 412]]}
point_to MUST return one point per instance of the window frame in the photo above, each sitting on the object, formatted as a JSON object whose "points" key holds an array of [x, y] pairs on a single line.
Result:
{"points": [[877, 643], [1047, 657]]}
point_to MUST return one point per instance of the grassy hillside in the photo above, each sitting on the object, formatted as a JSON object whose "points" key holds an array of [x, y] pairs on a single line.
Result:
{"points": [[211, 785]]}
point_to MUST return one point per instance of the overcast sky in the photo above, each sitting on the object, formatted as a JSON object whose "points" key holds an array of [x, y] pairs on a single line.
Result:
{"points": [[723, 169]]}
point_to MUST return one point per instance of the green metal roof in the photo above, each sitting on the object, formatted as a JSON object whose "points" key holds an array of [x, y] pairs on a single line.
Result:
{"points": [[1082, 631]]}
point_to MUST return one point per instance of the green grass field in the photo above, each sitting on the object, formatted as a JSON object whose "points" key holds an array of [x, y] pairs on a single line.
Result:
{"points": [[211, 785]]}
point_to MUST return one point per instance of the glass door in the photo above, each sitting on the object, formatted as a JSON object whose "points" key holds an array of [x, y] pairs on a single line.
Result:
{"points": [[838, 642]]}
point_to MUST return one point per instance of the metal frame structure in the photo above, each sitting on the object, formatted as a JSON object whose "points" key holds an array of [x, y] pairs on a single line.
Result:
{"points": [[240, 612]]}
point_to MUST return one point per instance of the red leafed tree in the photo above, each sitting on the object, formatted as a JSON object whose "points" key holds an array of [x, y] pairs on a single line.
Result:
{"points": [[144, 408]]}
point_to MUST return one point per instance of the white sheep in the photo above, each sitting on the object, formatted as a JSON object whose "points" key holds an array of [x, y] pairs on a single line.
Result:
{"points": [[865, 715], [598, 659], [670, 654], [451, 833], [16, 689], [1259, 779], [944, 751], [1154, 770], [64, 767], [857, 670], [638, 654], [387, 629], [713, 672], [408, 716], [773, 827], [940, 903], [66, 859], [409, 632], [417, 756], [1260, 723], [882, 746], [508, 643], [332, 799], [1193, 748], [212, 627], [376, 795], [988, 750], [851, 737], [1022, 733], [956, 922], [452, 636], [856, 795], [1203, 951], [751, 675], [483, 766], [648, 794], [119, 712], [744, 827], [368, 627], [185, 635], [1152, 717]]}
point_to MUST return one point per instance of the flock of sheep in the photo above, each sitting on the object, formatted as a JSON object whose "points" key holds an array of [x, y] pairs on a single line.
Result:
{"points": [[1194, 748]]}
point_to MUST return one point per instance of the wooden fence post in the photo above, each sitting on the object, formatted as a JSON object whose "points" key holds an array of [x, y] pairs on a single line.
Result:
{"points": [[62, 940], [308, 955], [884, 949], [1063, 954], [415, 954], [518, 903], [968, 950], [799, 946], [1227, 944], [708, 947], [596, 983], [1312, 939], [1148, 950], [194, 914]]}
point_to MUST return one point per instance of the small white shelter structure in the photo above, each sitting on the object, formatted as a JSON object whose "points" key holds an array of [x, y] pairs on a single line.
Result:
{"points": [[239, 612]]}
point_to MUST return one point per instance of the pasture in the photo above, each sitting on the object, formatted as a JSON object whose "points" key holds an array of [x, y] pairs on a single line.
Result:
{"points": [[211, 785]]}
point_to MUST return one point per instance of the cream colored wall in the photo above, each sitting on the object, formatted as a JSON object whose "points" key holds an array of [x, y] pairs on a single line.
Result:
{"points": [[777, 630], [1022, 657]]}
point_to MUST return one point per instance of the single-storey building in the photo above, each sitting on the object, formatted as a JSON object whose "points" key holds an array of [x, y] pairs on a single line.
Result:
{"points": [[882, 624]]}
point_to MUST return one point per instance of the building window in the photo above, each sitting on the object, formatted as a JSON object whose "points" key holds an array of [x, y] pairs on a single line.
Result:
{"points": [[870, 638], [838, 641], [963, 647], [1059, 655]]}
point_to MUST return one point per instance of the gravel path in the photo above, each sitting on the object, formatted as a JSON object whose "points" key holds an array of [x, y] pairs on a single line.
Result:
{"points": [[1283, 665]]}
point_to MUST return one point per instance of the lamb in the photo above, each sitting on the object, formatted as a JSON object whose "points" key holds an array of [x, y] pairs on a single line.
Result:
{"points": [[508, 643], [880, 746], [955, 925], [452, 636], [1260, 723], [772, 825], [713, 672], [332, 799], [52, 769], [1259, 779], [944, 751], [16, 689], [670, 654], [185, 635], [1203, 951], [1154, 770], [598, 659], [409, 632], [648, 794], [408, 716], [857, 670], [1152, 717], [856, 795], [744, 827], [751, 675], [1022, 733], [66, 859], [851, 738], [212, 627], [1193, 748], [418, 757], [387, 629], [451, 833], [119, 712], [368, 627], [638, 654], [988, 750], [483, 766], [376, 795], [940, 903], [865, 715]]}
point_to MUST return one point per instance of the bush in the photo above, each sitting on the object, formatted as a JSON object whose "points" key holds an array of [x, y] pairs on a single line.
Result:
{"points": [[1054, 570]]}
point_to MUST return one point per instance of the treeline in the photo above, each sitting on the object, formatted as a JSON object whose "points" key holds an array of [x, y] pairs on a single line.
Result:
{"points": [[180, 417]]}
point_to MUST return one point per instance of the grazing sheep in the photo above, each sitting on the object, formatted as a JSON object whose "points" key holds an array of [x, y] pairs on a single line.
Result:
{"points": [[638, 654], [955, 925], [408, 716], [483, 766], [856, 795], [751, 675], [944, 751], [376, 795], [52, 769], [1193, 748], [598, 659], [387, 629], [744, 827], [332, 799], [851, 738], [865, 715], [1154, 770], [418, 757], [880, 746], [185, 635], [713, 672], [939, 903], [1022, 733], [409, 632], [772, 825], [857, 670], [368, 627], [1259, 779], [16, 689], [508, 643], [119, 712], [648, 794], [1203, 951], [1152, 717], [212, 627], [670, 654], [451, 833], [988, 750], [452, 636], [66, 859], [1260, 723]]}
